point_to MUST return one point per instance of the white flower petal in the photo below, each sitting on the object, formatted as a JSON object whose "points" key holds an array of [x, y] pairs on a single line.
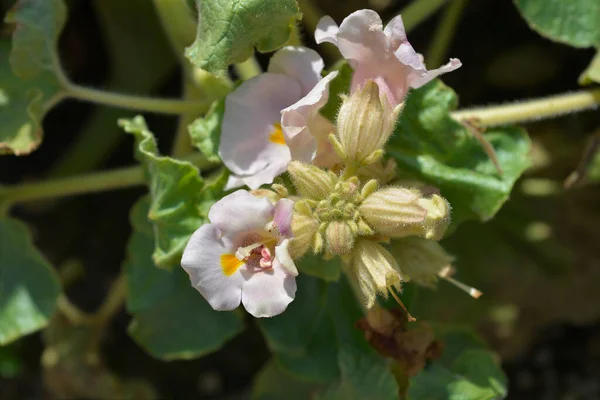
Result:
{"points": [[234, 181], [395, 31], [301, 63], [428, 76], [326, 31], [361, 37], [298, 119], [251, 114], [202, 261], [241, 212], [268, 293], [409, 57], [283, 256]]}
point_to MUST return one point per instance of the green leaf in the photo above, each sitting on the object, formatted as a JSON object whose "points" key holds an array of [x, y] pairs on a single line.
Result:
{"points": [[228, 30], [206, 131], [315, 265], [11, 361], [574, 22], [31, 89], [466, 370], [315, 341], [363, 377], [29, 286], [171, 320], [592, 72], [180, 199], [430, 146], [35, 39], [272, 384]]}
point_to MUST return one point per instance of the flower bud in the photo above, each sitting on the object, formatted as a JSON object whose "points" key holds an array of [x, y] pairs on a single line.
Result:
{"points": [[438, 217], [310, 181], [383, 171], [304, 228], [271, 195], [365, 122], [421, 259], [375, 270], [394, 211], [340, 237]]}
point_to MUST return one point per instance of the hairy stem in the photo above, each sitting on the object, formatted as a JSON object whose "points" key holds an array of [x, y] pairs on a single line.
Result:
{"points": [[113, 301], [444, 33], [81, 184], [530, 110], [140, 103], [248, 69]]}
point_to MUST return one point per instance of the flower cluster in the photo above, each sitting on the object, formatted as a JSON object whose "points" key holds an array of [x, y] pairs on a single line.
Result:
{"points": [[346, 200]]}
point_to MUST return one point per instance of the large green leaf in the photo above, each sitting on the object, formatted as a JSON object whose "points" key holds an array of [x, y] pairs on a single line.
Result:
{"points": [[171, 320], [363, 377], [315, 265], [273, 384], [29, 286], [315, 341], [180, 198], [430, 146], [575, 22], [466, 371], [31, 89], [228, 30]]}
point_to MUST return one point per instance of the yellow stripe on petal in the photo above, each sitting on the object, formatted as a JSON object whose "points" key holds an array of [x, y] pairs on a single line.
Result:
{"points": [[230, 264], [277, 135]]}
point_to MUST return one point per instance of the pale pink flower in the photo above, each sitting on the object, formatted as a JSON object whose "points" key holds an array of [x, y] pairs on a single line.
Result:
{"points": [[242, 256], [274, 118], [383, 55]]}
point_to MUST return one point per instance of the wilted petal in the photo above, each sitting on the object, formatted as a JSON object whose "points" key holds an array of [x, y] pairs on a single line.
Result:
{"points": [[241, 212], [268, 293], [298, 120], [203, 261], [251, 142], [382, 55], [302, 63]]}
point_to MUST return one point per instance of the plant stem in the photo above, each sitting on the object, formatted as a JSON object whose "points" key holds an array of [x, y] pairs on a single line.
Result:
{"points": [[178, 22], [141, 103], [72, 312], [418, 11], [530, 110], [248, 69], [82, 184], [113, 301], [444, 33]]}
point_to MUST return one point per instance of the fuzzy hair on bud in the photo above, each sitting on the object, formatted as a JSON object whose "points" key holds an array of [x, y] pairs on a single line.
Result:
{"points": [[438, 217], [375, 270], [394, 211], [421, 259], [304, 228], [339, 237], [365, 122], [310, 181]]}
